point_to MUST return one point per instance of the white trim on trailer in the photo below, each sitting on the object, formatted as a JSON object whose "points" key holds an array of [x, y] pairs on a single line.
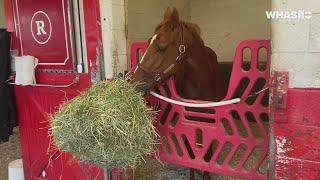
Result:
{"points": [[83, 38], [77, 35], [196, 105], [80, 39]]}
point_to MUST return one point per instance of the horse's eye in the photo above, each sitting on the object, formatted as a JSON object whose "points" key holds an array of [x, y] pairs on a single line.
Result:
{"points": [[161, 48]]}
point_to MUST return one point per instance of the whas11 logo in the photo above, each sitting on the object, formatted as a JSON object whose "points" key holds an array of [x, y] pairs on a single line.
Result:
{"points": [[289, 15]]}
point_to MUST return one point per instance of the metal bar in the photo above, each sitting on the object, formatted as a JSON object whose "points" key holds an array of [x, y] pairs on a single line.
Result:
{"points": [[76, 80], [77, 35]]}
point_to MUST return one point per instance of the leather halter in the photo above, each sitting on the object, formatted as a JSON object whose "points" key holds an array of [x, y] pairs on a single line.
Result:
{"points": [[157, 77]]}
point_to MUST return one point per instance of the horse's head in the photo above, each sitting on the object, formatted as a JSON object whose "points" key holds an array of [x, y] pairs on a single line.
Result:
{"points": [[167, 49]]}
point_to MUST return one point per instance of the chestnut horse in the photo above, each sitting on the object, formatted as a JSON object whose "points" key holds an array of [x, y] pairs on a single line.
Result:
{"points": [[176, 49]]}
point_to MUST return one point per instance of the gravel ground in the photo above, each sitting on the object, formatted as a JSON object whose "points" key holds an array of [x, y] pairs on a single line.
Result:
{"points": [[9, 151], [154, 170]]}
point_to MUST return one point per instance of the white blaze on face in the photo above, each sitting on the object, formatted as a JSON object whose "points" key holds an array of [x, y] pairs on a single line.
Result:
{"points": [[151, 42]]}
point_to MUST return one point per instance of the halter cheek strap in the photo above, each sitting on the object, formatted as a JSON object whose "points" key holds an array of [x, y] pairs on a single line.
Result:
{"points": [[157, 77]]}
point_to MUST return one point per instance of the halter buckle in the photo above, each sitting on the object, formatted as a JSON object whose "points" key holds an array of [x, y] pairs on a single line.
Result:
{"points": [[182, 48], [157, 77]]}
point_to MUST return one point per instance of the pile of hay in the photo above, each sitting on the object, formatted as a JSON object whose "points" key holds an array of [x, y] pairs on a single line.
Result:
{"points": [[110, 125]]}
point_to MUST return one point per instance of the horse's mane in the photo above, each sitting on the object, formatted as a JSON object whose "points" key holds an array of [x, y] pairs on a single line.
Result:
{"points": [[193, 28], [195, 31]]}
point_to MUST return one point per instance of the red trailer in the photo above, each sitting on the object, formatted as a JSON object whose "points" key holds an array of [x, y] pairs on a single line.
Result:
{"points": [[66, 36], [46, 30]]}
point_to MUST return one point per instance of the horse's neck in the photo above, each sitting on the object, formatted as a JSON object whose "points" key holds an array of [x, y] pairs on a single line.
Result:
{"points": [[195, 80]]}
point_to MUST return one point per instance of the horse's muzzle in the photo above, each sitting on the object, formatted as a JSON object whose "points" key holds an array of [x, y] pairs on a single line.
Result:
{"points": [[145, 87]]}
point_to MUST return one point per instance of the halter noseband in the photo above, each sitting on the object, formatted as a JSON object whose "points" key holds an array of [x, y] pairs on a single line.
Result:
{"points": [[157, 77]]}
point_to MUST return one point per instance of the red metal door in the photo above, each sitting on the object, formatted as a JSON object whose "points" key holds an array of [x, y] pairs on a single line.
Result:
{"points": [[43, 29], [35, 105]]}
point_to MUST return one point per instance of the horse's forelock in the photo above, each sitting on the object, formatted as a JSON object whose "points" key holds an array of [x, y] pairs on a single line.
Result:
{"points": [[193, 28], [166, 26], [195, 31]]}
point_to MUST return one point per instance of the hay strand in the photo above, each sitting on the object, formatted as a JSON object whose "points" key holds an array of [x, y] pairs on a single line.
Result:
{"points": [[110, 125]]}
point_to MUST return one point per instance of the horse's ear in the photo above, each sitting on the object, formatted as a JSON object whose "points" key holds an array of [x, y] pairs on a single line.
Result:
{"points": [[175, 16], [167, 15], [171, 16]]}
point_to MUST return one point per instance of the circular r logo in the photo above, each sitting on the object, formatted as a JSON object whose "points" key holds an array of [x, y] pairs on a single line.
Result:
{"points": [[41, 27]]}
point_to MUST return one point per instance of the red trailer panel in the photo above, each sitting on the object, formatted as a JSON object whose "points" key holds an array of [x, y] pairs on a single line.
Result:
{"points": [[232, 140], [296, 132], [44, 30], [35, 105]]}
